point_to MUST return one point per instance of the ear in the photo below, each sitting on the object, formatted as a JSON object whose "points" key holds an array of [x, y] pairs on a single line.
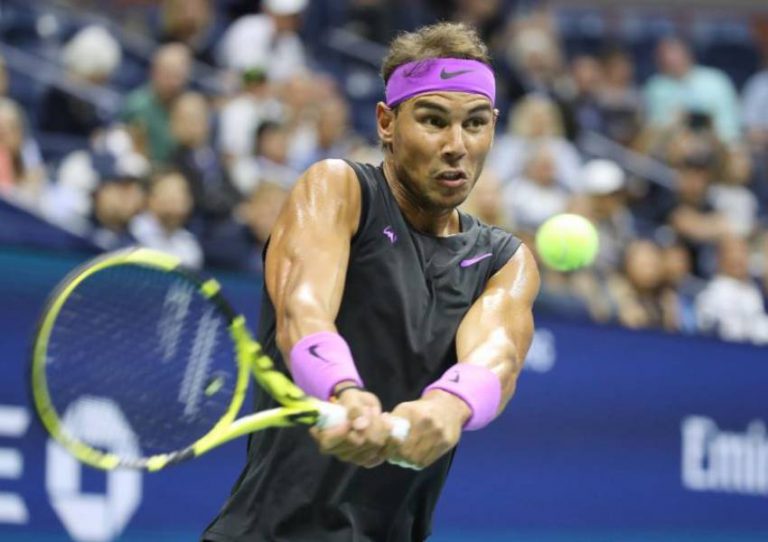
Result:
{"points": [[385, 123]]}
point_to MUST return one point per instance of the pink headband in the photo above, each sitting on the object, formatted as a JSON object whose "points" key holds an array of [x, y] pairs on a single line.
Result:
{"points": [[439, 75]]}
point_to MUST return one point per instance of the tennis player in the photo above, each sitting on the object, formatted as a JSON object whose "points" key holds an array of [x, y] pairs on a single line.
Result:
{"points": [[386, 298]]}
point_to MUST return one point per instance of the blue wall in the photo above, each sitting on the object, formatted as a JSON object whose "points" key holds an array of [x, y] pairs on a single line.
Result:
{"points": [[613, 435]]}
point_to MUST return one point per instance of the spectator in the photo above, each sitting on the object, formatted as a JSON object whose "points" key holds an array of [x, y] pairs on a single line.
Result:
{"points": [[147, 109], [731, 198], [68, 202], [532, 63], [22, 177], [536, 119], [486, 203], [191, 22], [583, 99], [618, 84], [161, 226], [689, 210], [537, 184], [755, 109], [682, 288], [684, 90], [270, 159], [621, 102], [268, 41], [238, 243], [604, 184], [334, 136], [214, 194], [117, 199], [89, 59], [259, 214], [755, 123], [302, 96], [731, 305], [240, 117], [637, 293]]}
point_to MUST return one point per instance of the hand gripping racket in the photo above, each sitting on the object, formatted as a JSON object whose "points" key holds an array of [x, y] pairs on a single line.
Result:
{"points": [[134, 339]]}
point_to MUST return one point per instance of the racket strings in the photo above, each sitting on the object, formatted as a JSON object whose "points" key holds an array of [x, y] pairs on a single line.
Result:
{"points": [[139, 362]]}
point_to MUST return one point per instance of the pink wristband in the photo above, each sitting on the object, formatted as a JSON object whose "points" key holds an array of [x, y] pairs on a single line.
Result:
{"points": [[477, 386], [321, 360]]}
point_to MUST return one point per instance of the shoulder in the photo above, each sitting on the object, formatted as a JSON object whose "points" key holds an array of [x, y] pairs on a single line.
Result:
{"points": [[137, 99], [329, 188], [255, 24], [332, 174], [518, 276], [712, 75], [758, 81]]}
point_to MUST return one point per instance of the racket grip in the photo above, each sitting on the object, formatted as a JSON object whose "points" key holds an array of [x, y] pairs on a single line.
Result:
{"points": [[332, 415], [400, 428]]}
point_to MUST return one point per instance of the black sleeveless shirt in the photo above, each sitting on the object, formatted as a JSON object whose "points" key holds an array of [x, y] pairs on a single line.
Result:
{"points": [[404, 297]]}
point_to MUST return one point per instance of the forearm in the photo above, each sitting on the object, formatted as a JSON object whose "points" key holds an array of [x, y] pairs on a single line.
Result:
{"points": [[305, 282], [493, 339], [698, 227], [499, 354]]}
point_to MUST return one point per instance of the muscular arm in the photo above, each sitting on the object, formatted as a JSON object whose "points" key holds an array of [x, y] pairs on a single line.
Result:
{"points": [[307, 258], [305, 270], [497, 331]]}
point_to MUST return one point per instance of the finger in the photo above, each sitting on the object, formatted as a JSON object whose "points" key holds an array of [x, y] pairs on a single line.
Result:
{"points": [[361, 423], [369, 457], [331, 437], [350, 444]]}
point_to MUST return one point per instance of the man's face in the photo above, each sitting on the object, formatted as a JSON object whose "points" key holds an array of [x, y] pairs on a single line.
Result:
{"points": [[674, 58], [439, 142]]}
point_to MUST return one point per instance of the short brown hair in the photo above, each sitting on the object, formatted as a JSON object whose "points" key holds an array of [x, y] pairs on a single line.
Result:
{"points": [[441, 40]]}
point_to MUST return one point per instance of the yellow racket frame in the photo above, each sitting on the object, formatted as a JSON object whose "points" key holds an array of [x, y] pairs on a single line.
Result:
{"points": [[297, 407]]}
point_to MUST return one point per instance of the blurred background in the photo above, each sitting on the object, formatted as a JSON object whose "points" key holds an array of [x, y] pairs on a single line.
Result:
{"points": [[182, 124]]}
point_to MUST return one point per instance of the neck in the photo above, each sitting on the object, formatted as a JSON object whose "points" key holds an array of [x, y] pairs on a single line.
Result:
{"points": [[418, 212]]}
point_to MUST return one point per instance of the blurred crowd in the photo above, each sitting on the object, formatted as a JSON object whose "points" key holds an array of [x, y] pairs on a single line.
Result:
{"points": [[671, 165]]}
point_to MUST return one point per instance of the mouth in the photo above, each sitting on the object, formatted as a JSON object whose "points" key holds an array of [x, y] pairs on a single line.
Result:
{"points": [[452, 178]]}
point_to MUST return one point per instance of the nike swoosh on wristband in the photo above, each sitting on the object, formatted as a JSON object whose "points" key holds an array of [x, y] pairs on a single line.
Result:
{"points": [[313, 350], [473, 261], [450, 75]]}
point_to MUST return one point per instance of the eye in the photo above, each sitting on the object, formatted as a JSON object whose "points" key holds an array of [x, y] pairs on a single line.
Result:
{"points": [[476, 123], [434, 121]]}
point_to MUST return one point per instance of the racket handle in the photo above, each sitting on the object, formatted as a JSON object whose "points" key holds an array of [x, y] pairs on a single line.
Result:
{"points": [[400, 428], [332, 415]]}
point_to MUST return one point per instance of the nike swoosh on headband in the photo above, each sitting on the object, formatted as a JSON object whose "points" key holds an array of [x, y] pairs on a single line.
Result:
{"points": [[450, 75]]}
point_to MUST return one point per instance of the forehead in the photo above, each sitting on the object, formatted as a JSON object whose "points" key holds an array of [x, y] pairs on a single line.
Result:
{"points": [[450, 102]]}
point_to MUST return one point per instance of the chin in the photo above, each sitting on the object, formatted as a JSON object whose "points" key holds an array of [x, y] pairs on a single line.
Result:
{"points": [[450, 201]]}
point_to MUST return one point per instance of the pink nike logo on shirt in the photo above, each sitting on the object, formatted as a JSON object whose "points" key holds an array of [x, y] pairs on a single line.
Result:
{"points": [[473, 261]]}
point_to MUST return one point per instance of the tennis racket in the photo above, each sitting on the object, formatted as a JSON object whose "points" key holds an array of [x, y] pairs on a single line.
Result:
{"points": [[135, 340]]}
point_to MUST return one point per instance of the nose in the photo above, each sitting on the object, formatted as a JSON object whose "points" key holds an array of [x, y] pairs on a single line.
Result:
{"points": [[454, 146]]}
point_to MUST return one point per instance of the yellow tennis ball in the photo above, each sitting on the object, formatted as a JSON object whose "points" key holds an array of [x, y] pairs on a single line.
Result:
{"points": [[566, 242]]}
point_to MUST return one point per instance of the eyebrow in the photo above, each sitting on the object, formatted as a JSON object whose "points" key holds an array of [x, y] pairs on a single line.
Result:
{"points": [[428, 104]]}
